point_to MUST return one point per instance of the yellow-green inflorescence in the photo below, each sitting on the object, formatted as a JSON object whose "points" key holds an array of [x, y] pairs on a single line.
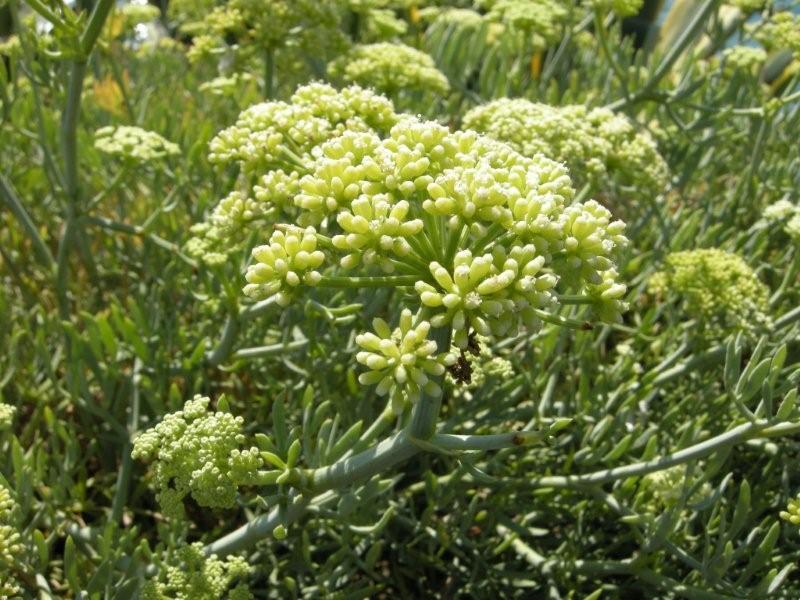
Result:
{"points": [[7, 412], [482, 239], [786, 215], [742, 59], [623, 8], [10, 545], [191, 575], [542, 22], [596, 144], [389, 68], [792, 512], [719, 290], [781, 31], [400, 362], [133, 143], [199, 453]]}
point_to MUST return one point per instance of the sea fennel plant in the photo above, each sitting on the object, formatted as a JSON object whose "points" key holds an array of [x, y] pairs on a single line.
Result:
{"points": [[473, 238]]}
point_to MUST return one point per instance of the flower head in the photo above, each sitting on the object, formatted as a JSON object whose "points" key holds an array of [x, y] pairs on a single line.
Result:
{"points": [[400, 361], [199, 453], [717, 287], [389, 68], [289, 260], [133, 143]]}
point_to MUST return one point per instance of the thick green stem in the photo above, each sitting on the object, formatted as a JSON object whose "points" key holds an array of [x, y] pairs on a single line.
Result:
{"points": [[426, 410], [729, 438]]}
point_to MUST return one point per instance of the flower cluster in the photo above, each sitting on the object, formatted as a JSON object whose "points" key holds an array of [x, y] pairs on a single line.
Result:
{"points": [[787, 215], [491, 294], [287, 261], [191, 575], [197, 452], [482, 238], [542, 20], [272, 142], [668, 486], [749, 6], [10, 545], [792, 512], [245, 28], [135, 13], [475, 366], [742, 59], [596, 144], [623, 8], [6, 415], [133, 143], [719, 289], [400, 362], [780, 32], [389, 68], [226, 86]]}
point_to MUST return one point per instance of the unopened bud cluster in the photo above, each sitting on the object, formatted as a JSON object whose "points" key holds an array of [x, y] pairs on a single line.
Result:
{"points": [[482, 239], [787, 215], [199, 453], [10, 545], [623, 8], [792, 512], [597, 145], [189, 573], [290, 259], [133, 143], [718, 288], [400, 362], [542, 22], [389, 68]]}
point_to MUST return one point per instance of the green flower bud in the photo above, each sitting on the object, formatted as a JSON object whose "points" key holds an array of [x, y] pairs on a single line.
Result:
{"points": [[719, 288], [389, 68], [133, 143], [792, 512], [288, 261], [399, 361], [197, 452]]}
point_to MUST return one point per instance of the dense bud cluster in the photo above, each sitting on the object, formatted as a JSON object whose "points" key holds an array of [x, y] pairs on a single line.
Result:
{"points": [[487, 238], [665, 488], [10, 545], [133, 143], [596, 144], [718, 288], [623, 8], [226, 86], [290, 259], [197, 452], [749, 6], [792, 512], [6, 415], [272, 142], [491, 294], [390, 68], [742, 59], [400, 362], [477, 365], [191, 575], [780, 32], [542, 20], [245, 28], [787, 215]]}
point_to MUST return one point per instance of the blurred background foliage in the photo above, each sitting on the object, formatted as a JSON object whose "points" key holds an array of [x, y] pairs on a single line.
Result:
{"points": [[682, 449]]}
